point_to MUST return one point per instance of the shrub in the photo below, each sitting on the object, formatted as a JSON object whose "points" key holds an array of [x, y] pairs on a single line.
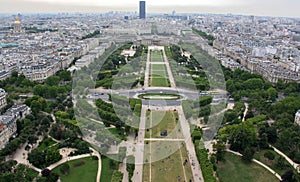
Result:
{"points": [[77, 164], [65, 169], [269, 155]]}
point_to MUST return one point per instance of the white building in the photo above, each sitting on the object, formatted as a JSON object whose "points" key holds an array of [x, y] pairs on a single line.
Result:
{"points": [[297, 118], [8, 122], [8, 127], [2, 98]]}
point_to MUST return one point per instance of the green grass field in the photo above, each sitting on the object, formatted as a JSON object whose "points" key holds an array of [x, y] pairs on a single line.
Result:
{"points": [[234, 169], [45, 143], [156, 56], [158, 67], [160, 82], [168, 52], [117, 176], [159, 76], [88, 171], [158, 72], [118, 133], [272, 163], [158, 121], [106, 172], [171, 168]]}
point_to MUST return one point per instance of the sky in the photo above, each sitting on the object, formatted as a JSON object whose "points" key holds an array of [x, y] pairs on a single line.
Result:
{"points": [[288, 8]]}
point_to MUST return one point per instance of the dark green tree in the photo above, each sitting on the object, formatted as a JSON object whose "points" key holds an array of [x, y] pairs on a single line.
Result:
{"points": [[248, 154]]}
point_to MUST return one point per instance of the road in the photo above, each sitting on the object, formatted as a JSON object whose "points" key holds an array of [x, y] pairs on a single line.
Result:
{"points": [[124, 170], [185, 128], [132, 93], [139, 152], [146, 80]]}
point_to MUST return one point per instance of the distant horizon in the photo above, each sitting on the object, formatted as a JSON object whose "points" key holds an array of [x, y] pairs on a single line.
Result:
{"points": [[148, 13], [269, 8]]}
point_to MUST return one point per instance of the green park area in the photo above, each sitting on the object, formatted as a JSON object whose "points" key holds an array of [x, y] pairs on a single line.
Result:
{"points": [[109, 169], [45, 144], [174, 167], [234, 169], [159, 76], [78, 170], [162, 124], [273, 160], [160, 82], [156, 56]]}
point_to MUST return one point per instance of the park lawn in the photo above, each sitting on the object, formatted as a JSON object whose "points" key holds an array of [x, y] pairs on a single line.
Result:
{"points": [[158, 121], [156, 56], [234, 169], [159, 76], [45, 143], [157, 67], [118, 133], [159, 73], [86, 172], [169, 168], [168, 52], [117, 176], [106, 172], [271, 163], [160, 82]]}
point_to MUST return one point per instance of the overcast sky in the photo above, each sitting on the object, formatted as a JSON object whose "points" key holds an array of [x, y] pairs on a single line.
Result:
{"points": [[249, 7]]}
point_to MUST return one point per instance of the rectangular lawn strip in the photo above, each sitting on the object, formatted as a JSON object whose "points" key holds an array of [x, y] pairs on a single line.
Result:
{"points": [[167, 165], [146, 172], [159, 76], [160, 73], [156, 56], [168, 52], [160, 82], [158, 67], [159, 121], [87, 170], [234, 169], [106, 171]]}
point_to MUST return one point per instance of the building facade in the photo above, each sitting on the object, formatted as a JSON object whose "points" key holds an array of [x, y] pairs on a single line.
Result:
{"points": [[8, 122], [8, 127], [3, 102], [142, 9], [297, 118], [17, 26]]}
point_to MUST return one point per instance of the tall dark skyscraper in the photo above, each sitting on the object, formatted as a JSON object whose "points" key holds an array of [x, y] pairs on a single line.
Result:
{"points": [[142, 9]]}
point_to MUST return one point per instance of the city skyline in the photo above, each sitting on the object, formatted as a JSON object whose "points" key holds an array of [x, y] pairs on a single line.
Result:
{"points": [[266, 8]]}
